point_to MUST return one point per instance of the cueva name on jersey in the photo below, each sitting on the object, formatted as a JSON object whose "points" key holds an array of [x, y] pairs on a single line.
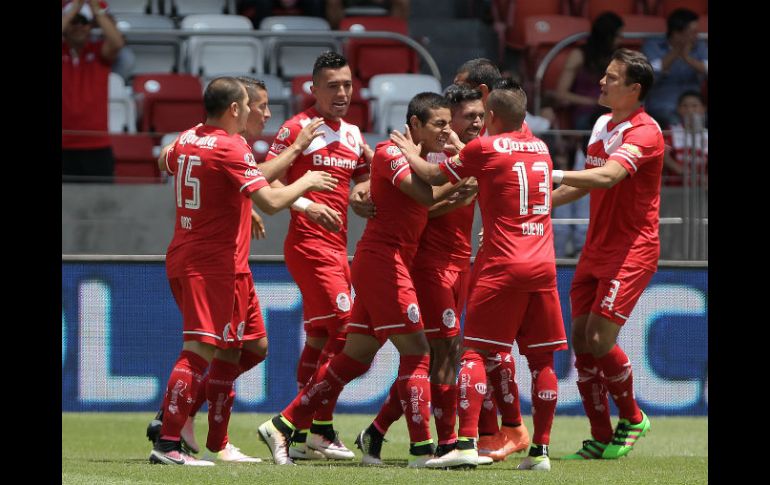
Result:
{"points": [[595, 161], [321, 160], [532, 229], [207, 141], [506, 145]]}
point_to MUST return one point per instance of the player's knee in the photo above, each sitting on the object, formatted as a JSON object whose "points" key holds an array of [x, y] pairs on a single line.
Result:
{"points": [[539, 361], [258, 346]]}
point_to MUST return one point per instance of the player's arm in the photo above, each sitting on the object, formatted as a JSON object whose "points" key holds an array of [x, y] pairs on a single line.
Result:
{"points": [[604, 177], [464, 193], [321, 214], [417, 189], [257, 226], [276, 167], [566, 194], [360, 199], [113, 39], [425, 170], [271, 199]]}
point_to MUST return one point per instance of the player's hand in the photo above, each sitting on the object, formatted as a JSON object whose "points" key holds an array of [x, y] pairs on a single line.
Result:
{"points": [[361, 203], [257, 226], [405, 143], [319, 180], [324, 216], [469, 188], [309, 133], [453, 144]]}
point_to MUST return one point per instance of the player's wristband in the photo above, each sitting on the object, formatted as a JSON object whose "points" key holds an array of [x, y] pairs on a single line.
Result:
{"points": [[301, 204], [557, 176]]}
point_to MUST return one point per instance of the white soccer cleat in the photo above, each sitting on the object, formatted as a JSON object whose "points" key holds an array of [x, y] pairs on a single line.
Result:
{"points": [[370, 447], [300, 451], [484, 460], [456, 459], [276, 441], [188, 435], [420, 461], [176, 457], [541, 462], [333, 450], [230, 454]]}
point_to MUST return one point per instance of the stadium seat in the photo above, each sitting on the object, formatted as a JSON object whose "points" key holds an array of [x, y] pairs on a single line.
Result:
{"points": [[295, 56], [358, 112], [369, 57], [133, 6], [182, 8], [168, 102], [515, 13], [542, 32], [122, 109], [591, 9], [641, 23], [208, 56], [665, 7], [159, 54], [391, 94], [703, 24], [135, 161]]}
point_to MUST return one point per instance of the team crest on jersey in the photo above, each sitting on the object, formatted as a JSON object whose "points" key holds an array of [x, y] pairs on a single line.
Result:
{"points": [[393, 150], [350, 139], [283, 133], [448, 318], [394, 164], [343, 302], [633, 149], [413, 312], [249, 159]]}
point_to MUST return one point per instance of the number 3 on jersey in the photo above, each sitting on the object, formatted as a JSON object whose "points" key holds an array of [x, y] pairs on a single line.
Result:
{"points": [[189, 181], [521, 170]]}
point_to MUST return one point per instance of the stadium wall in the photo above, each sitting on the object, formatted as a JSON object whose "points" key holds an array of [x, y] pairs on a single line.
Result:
{"points": [[121, 333]]}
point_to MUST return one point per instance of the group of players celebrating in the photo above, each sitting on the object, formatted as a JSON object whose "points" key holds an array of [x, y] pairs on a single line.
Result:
{"points": [[411, 273]]}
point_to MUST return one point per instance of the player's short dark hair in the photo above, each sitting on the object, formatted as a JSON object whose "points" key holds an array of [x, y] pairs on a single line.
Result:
{"points": [[480, 71], [220, 94], [456, 95], [509, 102], [690, 94], [252, 85], [422, 104], [506, 83], [638, 69], [328, 60], [679, 19]]}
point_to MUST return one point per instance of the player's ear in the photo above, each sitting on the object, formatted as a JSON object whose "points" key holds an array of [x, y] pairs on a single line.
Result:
{"points": [[414, 122]]}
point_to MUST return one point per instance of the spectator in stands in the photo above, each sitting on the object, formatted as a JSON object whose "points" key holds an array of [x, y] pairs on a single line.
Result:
{"points": [[86, 67], [335, 9], [680, 62], [687, 144]]}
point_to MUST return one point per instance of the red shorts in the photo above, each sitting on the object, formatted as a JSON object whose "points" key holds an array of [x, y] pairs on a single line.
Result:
{"points": [[441, 294], [216, 308], [323, 277], [496, 317], [610, 294], [385, 299]]}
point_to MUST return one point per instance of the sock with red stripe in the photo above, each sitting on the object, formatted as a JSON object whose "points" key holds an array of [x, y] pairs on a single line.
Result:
{"points": [[307, 365], [471, 388], [219, 394], [444, 400], [390, 411], [414, 390], [544, 394], [620, 383], [181, 390], [593, 393], [326, 383], [506, 392]]}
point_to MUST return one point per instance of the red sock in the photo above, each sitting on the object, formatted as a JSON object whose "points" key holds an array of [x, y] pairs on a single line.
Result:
{"points": [[444, 400], [334, 346], [471, 388], [414, 389], [506, 391], [326, 383], [488, 424], [544, 393], [308, 364], [219, 394], [390, 411], [620, 382], [593, 393], [181, 390], [200, 396]]}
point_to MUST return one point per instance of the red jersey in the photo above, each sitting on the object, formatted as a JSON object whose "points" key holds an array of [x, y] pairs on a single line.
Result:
{"points": [[514, 174], [691, 147], [446, 240], [215, 176], [400, 219], [339, 152], [84, 96], [623, 226]]}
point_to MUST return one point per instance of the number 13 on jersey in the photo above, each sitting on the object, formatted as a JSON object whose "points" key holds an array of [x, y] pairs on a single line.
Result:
{"points": [[545, 187]]}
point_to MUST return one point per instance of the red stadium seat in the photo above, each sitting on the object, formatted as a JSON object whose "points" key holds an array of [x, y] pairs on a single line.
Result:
{"points": [[641, 23], [169, 102], [134, 159], [516, 12], [369, 57], [703, 24], [358, 113], [593, 8], [542, 32], [663, 8]]}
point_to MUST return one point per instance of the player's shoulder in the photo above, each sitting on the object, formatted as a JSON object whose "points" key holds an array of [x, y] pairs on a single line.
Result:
{"points": [[645, 125]]}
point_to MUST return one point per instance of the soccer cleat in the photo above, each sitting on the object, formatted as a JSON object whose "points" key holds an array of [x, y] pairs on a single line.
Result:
{"points": [[277, 441], [626, 435], [442, 450], [332, 449], [515, 439], [484, 460], [300, 451], [419, 461], [370, 445], [541, 462], [591, 450], [230, 454], [455, 459], [153, 429], [176, 457], [189, 445], [492, 446]]}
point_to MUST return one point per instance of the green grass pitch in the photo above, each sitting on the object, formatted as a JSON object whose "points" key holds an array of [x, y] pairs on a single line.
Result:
{"points": [[110, 448]]}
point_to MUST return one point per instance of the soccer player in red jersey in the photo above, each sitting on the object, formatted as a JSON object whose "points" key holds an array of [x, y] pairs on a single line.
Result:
{"points": [[216, 180], [440, 273], [386, 304], [513, 289], [315, 247], [624, 161]]}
